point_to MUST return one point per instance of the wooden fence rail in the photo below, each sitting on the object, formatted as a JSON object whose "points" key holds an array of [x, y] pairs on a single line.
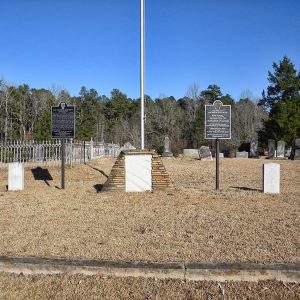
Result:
{"points": [[49, 152]]}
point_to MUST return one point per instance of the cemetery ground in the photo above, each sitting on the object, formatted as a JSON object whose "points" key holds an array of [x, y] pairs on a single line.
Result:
{"points": [[192, 223]]}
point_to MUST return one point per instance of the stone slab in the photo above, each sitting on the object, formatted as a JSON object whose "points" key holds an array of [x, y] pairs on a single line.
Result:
{"points": [[243, 154], [138, 173], [271, 178], [191, 153], [15, 176]]}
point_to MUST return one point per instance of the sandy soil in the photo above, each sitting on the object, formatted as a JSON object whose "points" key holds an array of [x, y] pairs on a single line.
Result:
{"points": [[96, 287], [192, 223]]}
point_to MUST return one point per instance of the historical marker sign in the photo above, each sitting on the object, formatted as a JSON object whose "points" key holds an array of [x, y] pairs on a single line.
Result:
{"points": [[218, 121], [63, 121]]}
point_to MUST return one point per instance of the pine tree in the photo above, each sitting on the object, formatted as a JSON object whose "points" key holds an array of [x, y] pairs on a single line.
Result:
{"points": [[283, 103]]}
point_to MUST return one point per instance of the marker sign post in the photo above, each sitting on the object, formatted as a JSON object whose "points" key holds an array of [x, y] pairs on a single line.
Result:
{"points": [[217, 126], [63, 127]]}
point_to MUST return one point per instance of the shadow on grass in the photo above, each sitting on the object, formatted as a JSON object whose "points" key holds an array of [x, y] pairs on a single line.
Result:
{"points": [[41, 174], [100, 171], [98, 187], [244, 188]]}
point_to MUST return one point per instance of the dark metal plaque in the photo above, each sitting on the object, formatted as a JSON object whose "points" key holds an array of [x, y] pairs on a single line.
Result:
{"points": [[63, 121], [218, 121]]}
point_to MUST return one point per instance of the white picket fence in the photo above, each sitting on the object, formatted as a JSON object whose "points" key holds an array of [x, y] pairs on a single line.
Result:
{"points": [[49, 152]]}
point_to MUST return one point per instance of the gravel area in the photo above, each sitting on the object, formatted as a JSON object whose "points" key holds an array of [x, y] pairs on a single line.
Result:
{"points": [[192, 223]]}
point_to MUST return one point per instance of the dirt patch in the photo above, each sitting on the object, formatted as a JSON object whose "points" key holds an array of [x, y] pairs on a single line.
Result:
{"points": [[192, 223]]}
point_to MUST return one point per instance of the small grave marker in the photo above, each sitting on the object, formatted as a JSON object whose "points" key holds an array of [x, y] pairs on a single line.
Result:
{"points": [[15, 176], [271, 178], [191, 153], [242, 154]]}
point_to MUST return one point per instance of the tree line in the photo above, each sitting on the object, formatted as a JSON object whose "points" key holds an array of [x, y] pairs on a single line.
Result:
{"points": [[25, 113]]}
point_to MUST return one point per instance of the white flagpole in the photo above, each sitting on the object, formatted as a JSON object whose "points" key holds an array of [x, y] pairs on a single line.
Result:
{"points": [[142, 73]]}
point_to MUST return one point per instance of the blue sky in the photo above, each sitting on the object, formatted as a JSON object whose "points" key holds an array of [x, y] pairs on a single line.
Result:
{"points": [[69, 44]]}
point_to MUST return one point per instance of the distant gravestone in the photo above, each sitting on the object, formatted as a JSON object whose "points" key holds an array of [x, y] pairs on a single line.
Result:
{"points": [[167, 148], [295, 154], [221, 155], [253, 149], [288, 152], [15, 176], [243, 154], [191, 153], [271, 148], [127, 146], [280, 149], [271, 178], [204, 153]]}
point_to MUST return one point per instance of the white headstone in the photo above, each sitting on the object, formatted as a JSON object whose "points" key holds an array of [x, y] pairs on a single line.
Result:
{"points": [[271, 178], [15, 176], [138, 173], [280, 149]]}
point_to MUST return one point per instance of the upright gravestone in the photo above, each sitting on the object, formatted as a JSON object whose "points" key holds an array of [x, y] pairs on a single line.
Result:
{"points": [[15, 176], [167, 148], [253, 149], [288, 152], [280, 149], [295, 154], [271, 148], [138, 176], [204, 153], [271, 178]]}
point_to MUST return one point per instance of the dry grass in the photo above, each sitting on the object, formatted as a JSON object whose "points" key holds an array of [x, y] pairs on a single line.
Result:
{"points": [[97, 287], [192, 223]]}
